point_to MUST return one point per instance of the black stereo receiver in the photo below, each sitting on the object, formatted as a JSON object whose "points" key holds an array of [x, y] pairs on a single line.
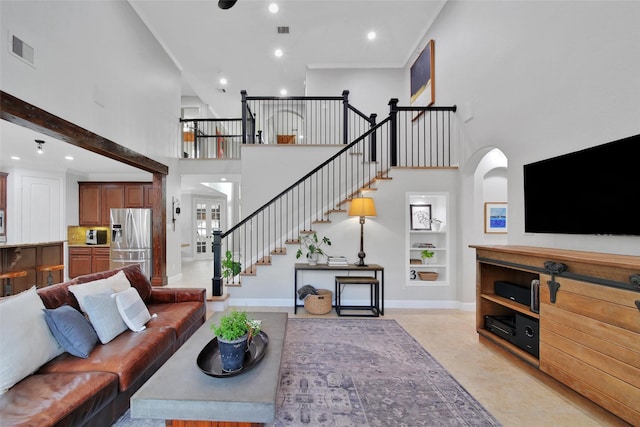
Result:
{"points": [[502, 326]]}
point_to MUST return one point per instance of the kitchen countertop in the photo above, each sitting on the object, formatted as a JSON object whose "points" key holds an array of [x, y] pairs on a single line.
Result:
{"points": [[30, 245], [83, 245]]}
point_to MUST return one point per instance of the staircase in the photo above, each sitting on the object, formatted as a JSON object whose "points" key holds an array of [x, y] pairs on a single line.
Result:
{"points": [[399, 141]]}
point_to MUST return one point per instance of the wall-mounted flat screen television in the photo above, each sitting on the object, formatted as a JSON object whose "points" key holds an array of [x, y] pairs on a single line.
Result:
{"points": [[592, 191]]}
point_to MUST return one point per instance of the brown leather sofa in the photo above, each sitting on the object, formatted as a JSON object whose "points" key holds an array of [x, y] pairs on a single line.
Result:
{"points": [[71, 391]]}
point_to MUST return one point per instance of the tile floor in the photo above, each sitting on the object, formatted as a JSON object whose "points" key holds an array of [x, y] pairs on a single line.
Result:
{"points": [[515, 393]]}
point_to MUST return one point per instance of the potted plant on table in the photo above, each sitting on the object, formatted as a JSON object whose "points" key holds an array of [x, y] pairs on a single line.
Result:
{"points": [[234, 332], [311, 246]]}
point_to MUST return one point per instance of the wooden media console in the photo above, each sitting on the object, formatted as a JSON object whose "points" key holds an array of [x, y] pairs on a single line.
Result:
{"points": [[589, 318]]}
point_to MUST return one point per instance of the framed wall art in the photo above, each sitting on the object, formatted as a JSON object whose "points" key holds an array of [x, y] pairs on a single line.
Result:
{"points": [[495, 217], [420, 217], [422, 76]]}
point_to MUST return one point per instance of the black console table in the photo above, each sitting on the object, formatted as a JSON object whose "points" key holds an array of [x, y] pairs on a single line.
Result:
{"points": [[375, 268]]}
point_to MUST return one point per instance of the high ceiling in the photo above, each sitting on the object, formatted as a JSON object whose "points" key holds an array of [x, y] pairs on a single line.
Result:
{"points": [[208, 43]]}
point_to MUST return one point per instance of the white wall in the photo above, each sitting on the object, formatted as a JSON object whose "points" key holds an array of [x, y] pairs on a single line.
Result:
{"points": [[533, 79], [269, 169], [98, 66], [384, 244], [540, 79], [118, 83], [369, 89]]}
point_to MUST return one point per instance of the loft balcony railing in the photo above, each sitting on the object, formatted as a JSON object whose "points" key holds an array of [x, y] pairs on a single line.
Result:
{"points": [[211, 138], [308, 120], [304, 119], [411, 137]]}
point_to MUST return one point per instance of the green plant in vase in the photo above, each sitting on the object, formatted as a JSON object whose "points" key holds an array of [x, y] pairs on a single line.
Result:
{"points": [[230, 267], [311, 247], [234, 333], [427, 256]]}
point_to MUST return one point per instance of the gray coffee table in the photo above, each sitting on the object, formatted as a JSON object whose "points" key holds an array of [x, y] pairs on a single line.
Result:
{"points": [[180, 391]]}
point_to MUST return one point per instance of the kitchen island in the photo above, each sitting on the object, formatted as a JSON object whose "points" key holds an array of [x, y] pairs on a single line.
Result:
{"points": [[29, 257]]}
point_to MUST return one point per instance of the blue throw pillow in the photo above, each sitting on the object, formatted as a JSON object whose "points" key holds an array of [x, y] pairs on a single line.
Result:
{"points": [[72, 331]]}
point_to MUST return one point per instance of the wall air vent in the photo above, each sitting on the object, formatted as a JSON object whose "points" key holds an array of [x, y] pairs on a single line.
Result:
{"points": [[283, 30], [22, 50]]}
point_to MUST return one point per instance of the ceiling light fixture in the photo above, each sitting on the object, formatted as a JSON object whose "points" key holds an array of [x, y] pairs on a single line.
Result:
{"points": [[68, 157], [226, 4], [15, 158], [278, 53], [223, 81], [371, 35], [273, 8], [283, 92], [40, 143]]}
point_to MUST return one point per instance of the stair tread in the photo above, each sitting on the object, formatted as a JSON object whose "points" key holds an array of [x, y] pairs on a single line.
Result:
{"points": [[279, 251], [233, 284], [264, 261]]}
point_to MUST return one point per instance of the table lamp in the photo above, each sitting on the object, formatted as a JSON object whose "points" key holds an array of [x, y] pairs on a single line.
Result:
{"points": [[362, 206]]}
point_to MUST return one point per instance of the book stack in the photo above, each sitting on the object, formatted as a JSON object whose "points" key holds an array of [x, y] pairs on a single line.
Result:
{"points": [[335, 261]]}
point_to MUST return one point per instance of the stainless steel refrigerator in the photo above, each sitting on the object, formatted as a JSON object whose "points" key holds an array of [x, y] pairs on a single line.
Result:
{"points": [[131, 238]]}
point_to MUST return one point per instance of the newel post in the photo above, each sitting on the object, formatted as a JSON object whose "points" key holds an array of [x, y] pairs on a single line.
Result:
{"points": [[373, 150], [244, 116], [345, 114], [393, 129], [216, 282]]}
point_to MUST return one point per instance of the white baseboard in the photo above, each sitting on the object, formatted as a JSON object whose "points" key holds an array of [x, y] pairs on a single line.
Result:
{"points": [[175, 278], [286, 302]]}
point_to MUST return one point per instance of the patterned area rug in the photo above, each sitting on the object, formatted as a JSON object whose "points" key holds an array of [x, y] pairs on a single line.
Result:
{"points": [[357, 372]]}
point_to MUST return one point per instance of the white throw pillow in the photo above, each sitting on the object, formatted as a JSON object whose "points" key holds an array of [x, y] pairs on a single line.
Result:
{"points": [[26, 343], [104, 316], [85, 289], [132, 309], [118, 282]]}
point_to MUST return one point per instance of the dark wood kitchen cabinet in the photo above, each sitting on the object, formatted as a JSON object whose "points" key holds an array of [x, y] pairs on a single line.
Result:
{"points": [[99, 259], [79, 261], [96, 199], [87, 259]]}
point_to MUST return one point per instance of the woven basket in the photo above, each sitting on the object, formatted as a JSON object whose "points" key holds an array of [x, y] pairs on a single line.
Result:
{"points": [[428, 275], [319, 304]]}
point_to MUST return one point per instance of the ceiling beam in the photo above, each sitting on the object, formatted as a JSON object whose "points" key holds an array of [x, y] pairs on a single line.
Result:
{"points": [[22, 113]]}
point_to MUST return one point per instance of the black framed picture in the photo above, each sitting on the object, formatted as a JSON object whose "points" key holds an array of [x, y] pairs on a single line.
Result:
{"points": [[420, 217]]}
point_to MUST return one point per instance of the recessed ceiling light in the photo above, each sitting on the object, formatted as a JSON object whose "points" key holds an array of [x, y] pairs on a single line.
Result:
{"points": [[283, 92], [278, 53], [68, 157], [15, 158], [273, 8], [371, 35], [223, 179], [223, 81]]}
